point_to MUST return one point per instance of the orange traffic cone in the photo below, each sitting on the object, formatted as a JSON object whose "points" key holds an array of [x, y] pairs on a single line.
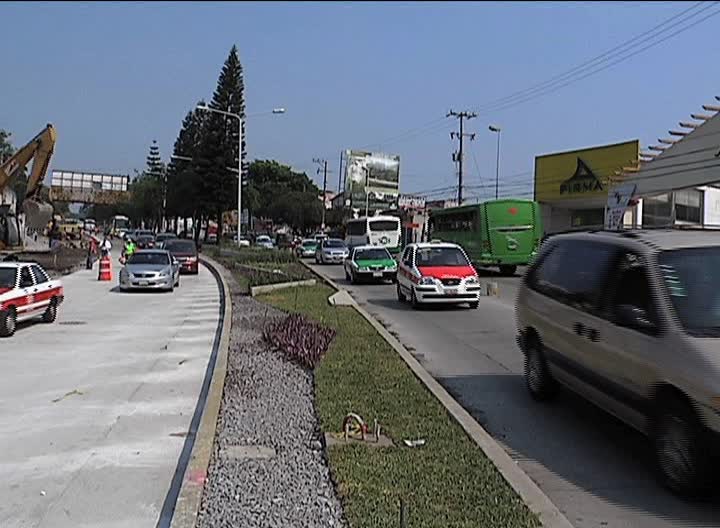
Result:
{"points": [[105, 273]]}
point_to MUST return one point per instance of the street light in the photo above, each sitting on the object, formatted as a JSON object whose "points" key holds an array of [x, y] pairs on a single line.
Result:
{"points": [[240, 142], [496, 129]]}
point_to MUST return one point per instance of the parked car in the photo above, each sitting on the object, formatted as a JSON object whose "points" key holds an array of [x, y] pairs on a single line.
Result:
{"points": [[437, 272], [307, 248], [370, 262], [331, 251], [150, 269], [186, 254], [630, 321], [27, 292], [264, 241]]}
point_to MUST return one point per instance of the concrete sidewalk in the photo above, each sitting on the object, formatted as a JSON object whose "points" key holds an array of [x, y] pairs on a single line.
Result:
{"points": [[94, 409]]}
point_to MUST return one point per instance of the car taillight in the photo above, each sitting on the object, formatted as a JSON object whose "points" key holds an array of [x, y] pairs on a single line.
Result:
{"points": [[192, 259]]}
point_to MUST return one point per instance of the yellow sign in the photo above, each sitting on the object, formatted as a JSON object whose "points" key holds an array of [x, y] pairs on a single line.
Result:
{"points": [[581, 173]]}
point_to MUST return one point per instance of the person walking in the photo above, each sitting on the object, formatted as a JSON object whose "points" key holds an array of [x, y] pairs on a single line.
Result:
{"points": [[105, 246]]}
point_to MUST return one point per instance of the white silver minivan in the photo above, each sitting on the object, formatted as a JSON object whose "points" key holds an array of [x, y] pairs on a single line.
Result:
{"points": [[631, 321]]}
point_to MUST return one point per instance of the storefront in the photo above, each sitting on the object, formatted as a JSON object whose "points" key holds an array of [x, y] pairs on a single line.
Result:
{"points": [[572, 187]]}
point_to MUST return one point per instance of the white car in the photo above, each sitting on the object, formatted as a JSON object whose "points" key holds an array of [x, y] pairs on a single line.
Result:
{"points": [[264, 241], [437, 272], [26, 292]]}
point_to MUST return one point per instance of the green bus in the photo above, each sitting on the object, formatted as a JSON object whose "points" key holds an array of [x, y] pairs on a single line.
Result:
{"points": [[505, 233]]}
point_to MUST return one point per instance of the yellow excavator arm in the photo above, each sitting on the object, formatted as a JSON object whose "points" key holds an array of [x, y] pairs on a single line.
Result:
{"points": [[40, 148], [37, 213]]}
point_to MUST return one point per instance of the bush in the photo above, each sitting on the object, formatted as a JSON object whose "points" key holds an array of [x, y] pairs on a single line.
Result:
{"points": [[300, 340]]}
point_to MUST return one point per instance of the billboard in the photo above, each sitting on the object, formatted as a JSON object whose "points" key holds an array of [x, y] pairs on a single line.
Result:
{"points": [[373, 177], [581, 174]]}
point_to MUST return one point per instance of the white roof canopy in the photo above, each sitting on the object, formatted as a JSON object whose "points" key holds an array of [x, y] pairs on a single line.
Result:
{"points": [[691, 161]]}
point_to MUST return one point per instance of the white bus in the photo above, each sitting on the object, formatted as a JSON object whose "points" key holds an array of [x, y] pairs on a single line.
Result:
{"points": [[374, 230], [119, 225]]}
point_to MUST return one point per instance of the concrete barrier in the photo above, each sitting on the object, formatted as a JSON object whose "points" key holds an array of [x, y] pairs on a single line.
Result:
{"points": [[267, 288]]}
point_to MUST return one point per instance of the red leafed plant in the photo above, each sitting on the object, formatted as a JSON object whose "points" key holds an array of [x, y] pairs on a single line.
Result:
{"points": [[300, 340]]}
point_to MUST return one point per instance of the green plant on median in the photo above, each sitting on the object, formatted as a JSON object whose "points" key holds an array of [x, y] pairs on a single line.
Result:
{"points": [[448, 482], [259, 266]]}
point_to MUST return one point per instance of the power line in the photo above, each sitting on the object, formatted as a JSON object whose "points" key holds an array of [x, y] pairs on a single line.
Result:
{"points": [[584, 65], [553, 87]]}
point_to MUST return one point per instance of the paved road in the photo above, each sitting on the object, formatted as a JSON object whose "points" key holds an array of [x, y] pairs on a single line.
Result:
{"points": [[595, 469], [94, 408]]}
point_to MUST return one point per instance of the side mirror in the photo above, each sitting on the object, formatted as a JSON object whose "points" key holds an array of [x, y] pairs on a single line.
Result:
{"points": [[634, 317]]}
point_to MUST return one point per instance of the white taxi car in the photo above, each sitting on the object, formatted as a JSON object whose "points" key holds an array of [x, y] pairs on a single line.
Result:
{"points": [[26, 292], [437, 272]]}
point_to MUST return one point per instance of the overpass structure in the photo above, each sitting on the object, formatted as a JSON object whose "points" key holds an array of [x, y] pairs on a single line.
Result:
{"points": [[89, 187]]}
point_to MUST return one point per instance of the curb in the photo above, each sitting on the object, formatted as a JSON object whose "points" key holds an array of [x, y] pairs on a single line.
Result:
{"points": [[267, 288], [187, 506], [535, 499]]}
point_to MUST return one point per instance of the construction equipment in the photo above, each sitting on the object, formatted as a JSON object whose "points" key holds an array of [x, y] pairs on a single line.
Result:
{"points": [[37, 213]]}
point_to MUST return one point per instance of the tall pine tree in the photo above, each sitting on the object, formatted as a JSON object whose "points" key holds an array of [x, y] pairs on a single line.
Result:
{"points": [[183, 184], [219, 142]]}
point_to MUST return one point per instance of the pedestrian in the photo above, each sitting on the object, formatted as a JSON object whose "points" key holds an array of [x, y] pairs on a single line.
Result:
{"points": [[92, 252], [105, 246]]}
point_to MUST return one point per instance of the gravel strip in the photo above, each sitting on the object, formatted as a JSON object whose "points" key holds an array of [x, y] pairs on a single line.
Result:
{"points": [[267, 402]]}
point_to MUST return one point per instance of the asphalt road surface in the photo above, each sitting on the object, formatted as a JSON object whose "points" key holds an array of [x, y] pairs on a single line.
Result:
{"points": [[94, 409], [594, 468]]}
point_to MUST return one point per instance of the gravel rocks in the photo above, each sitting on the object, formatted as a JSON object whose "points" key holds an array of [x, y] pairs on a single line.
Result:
{"points": [[267, 402]]}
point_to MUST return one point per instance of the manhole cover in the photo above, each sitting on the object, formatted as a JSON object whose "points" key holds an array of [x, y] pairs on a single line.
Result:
{"points": [[72, 323]]}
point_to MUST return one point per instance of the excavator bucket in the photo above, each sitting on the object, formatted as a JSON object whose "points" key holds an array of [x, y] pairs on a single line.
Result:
{"points": [[37, 214]]}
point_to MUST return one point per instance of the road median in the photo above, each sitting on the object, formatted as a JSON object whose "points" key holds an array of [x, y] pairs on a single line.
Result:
{"points": [[445, 480]]}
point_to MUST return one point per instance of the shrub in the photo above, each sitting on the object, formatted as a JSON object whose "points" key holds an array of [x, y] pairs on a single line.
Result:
{"points": [[300, 340]]}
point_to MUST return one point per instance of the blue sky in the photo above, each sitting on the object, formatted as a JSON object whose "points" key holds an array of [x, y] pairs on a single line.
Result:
{"points": [[114, 76]]}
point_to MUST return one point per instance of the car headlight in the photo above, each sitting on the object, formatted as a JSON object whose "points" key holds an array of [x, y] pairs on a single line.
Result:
{"points": [[472, 280], [363, 268], [426, 281]]}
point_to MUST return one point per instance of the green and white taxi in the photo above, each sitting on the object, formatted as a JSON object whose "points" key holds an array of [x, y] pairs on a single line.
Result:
{"points": [[370, 263]]}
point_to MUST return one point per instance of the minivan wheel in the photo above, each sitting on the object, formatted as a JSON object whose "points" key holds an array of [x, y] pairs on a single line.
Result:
{"points": [[682, 461], [538, 379]]}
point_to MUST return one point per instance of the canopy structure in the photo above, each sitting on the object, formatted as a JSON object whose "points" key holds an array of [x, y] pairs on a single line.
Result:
{"points": [[689, 158]]}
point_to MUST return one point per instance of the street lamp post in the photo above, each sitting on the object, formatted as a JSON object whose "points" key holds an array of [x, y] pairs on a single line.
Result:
{"points": [[240, 142], [497, 130]]}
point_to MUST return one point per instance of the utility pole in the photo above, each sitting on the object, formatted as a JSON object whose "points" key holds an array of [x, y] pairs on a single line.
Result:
{"points": [[323, 164], [458, 156], [340, 172]]}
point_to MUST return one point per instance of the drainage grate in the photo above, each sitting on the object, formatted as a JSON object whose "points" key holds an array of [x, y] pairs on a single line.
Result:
{"points": [[72, 323]]}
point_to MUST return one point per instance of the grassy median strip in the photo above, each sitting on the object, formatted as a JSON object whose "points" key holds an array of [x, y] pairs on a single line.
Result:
{"points": [[448, 482]]}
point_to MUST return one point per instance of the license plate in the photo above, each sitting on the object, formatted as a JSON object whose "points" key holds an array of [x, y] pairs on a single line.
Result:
{"points": [[450, 291], [377, 273], [143, 283]]}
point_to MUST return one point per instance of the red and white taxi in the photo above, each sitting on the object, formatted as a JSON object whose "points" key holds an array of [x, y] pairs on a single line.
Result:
{"points": [[26, 292], [437, 272]]}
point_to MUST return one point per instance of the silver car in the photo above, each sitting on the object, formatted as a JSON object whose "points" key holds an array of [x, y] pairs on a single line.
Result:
{"points": [[154, 269], [331, 251]]}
